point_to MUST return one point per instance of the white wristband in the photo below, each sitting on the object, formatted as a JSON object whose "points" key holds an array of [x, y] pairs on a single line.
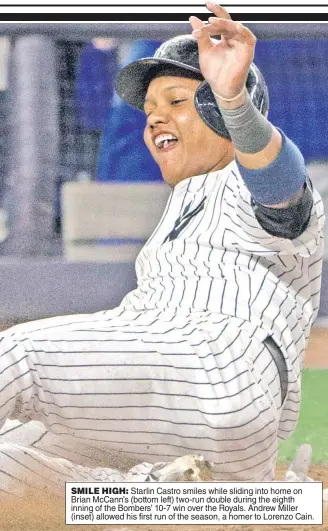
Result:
{"points": [[229, 99]]}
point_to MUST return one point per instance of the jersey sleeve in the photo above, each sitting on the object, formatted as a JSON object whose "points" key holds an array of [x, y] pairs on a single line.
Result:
{"points": [[250, 235], [289, 221]]}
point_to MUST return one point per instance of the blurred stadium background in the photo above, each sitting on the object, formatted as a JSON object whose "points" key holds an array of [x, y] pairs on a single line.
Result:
{"points": [[78, 192]]}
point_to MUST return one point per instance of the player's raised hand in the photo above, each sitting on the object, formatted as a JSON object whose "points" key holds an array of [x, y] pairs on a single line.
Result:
{"points": [[225, 63]]}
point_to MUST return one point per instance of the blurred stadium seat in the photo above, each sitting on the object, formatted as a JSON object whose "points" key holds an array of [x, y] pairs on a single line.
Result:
{"points": [[109, 221]]}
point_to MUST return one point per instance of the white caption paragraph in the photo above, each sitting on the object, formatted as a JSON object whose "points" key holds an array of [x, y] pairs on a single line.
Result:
{"points": [[194, 503]]}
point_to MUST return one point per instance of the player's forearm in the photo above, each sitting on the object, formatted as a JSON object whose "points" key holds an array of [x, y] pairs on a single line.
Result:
{"points": [[275, 174], [263, 158], [271, 165], [257, 141]]}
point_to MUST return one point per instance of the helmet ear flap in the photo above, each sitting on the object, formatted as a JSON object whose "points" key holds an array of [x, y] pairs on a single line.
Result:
{"points": [[209, 111], [258, 90]]}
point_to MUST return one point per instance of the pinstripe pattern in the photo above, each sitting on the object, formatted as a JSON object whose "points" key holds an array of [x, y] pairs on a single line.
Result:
{"points": [[180, 366]]}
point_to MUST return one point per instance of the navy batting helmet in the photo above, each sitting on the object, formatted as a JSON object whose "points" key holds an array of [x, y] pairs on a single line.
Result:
{"points": [[179, 57]]}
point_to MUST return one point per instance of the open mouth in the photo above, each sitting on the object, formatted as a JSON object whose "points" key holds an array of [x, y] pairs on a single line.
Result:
{"points": [[165, 142]]}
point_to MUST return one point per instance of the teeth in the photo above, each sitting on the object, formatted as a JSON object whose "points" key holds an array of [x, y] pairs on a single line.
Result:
{"points": [[163, 139]]}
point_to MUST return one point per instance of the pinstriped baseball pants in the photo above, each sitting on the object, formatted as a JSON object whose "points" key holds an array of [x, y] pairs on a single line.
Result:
{"points": [[138, 387]]}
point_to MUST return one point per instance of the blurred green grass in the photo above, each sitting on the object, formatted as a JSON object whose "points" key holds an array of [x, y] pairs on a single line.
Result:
{"points": [[312, 427]]}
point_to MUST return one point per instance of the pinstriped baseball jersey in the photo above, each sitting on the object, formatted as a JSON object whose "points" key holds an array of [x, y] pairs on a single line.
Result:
{"points": [[181, 365], [216, 257]]}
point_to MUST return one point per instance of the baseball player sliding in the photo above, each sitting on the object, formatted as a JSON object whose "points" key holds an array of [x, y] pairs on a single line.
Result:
{"points": [[204, 357]]}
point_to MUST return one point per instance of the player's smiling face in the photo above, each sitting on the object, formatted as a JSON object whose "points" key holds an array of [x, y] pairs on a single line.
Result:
{"points": [[178, 139]]}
